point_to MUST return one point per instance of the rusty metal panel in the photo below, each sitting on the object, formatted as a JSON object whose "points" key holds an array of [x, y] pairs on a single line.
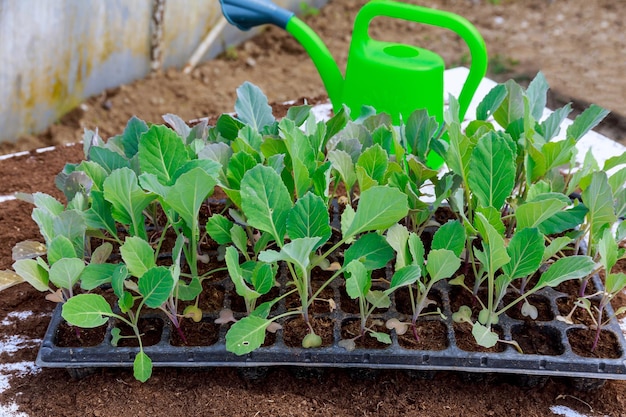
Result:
{"points": [[54, 54]]}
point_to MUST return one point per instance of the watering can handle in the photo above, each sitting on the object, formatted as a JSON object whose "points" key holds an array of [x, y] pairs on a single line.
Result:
{"points": [[246, 14], [439, 18]]}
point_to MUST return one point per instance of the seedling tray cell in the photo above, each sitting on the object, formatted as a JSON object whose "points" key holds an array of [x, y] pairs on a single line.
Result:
{"points": [[564, 362]]}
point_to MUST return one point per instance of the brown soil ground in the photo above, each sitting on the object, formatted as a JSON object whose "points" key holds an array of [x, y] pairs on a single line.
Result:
{"points": [[578, 44]]}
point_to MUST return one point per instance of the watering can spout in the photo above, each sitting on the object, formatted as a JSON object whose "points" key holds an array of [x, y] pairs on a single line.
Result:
{"points": [[246, 14]]}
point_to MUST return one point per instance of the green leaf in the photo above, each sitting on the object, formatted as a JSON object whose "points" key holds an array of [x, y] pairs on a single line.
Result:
{"points": [[138, 255], [586, 121], [33, 273], [450, 236], [218, 227], [187, 195], [156, 286], [298, 252], [342, 162], [484, 336], [299, 114], [60, 247], [117, 279], [492, 171], [132, 133], [309, 218], [374, 161], [494, 217], [239, 238], [534, 213], [555, 246], [598, 198], [495, 254], [265, 201], [512, 107], [398, 238], [615, 282], [381, 337], [162, 153], [491, 102], [263, 277], [371, 249], [416, 249], [95, 275], [526, 250], [552, 125], [86, 311], [65, 272], [419, 130], [607, 248], [142, 367], [359, 281], [102, 253], [252, 106], [564, 220], [236, 275], [404, 276], [108, 159], [459, 152], [536, 93], [228, 127], [246, 335], [122, 190], [441, 264], [99, 214], [188, 292], [571, 267], [379, 208]]}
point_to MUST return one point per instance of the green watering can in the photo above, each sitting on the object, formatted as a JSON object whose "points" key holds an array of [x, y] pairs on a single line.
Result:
{"points": [[391, 77]]}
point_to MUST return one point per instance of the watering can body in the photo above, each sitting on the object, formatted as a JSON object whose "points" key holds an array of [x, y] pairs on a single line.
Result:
{"points": [[393, 78]]}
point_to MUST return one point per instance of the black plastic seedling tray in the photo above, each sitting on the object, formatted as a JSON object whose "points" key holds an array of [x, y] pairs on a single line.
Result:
{"points": [[509, 361]]}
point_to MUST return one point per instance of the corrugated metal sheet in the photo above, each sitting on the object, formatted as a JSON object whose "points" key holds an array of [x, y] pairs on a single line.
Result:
{"points": [[53, 54]]}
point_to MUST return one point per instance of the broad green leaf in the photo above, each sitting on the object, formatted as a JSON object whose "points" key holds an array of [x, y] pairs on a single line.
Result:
{"points": [[492, 171], [102, 253], [86, 311], [598, 198], [371, 249], [95, 275], [379, 208], [138, 256], [416, 249], [484, 336], [564, 220], [178, 124], [494, 217], [122, 190], [359, 281], [299, 114], [555, 246], [72, 225], [450, 236], [534, 213], [404, 276], [246, 335], [617, 180], [459, 152], [607, 248], [495, 254], [263, 278], [156, 286], [142, 367], [491, 102], [117, 280], [33, 273], [441, 264], [218, 227], [162, 153], [187, 195], [536, 93], [342, 163], [99, 214], [378, 299], [298, 252], [615, 282], [236, 275], [347, 218], [586, 121], [364, 180], [188, 292], [265, 201], [571, 267], [309, 218], [65, 272], [108, 159], [132, 132], [512, 107], [252, 107], [419, 130], [614, 161], [381, 337], [526, 250], [219, 152], [228, 127], [239, 238], [398, 238], [60, 247], [552, 125]]}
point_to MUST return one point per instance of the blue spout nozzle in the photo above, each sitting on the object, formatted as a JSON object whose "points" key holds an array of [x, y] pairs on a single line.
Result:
{"points": [[246, 14]]}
